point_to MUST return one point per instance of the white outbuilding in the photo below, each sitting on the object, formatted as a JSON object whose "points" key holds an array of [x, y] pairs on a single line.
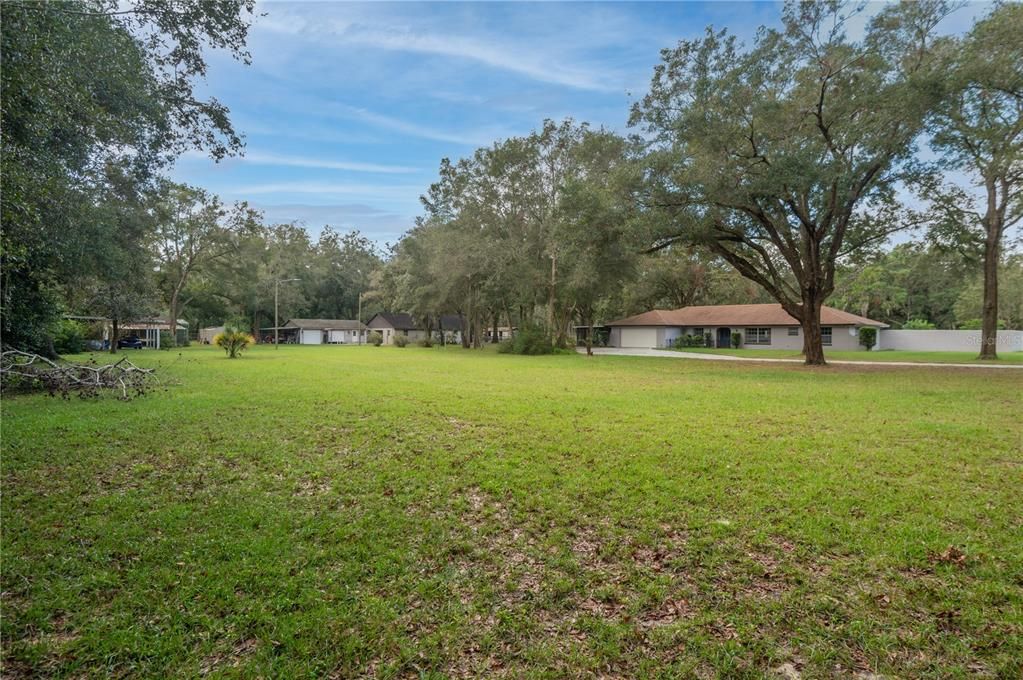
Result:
{"points": [[323, 332]]}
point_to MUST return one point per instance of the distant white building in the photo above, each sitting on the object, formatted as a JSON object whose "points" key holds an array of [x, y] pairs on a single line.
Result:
{"points": [[321, 332]]}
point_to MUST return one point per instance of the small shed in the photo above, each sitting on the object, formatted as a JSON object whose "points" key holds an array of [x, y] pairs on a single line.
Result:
{"points": [[207, 334]]}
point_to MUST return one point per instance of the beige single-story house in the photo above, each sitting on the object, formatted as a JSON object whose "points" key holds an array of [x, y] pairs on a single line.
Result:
{"points": [[390, 324], [765, 326], [322, 332]]}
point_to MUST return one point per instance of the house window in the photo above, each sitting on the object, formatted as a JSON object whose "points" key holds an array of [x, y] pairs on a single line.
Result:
{"points": [[758, 336], [794, 332], [698, 332], [826, 335]]}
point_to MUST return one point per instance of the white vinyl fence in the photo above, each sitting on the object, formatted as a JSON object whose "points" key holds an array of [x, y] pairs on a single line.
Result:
{"points": [[946, 341]]}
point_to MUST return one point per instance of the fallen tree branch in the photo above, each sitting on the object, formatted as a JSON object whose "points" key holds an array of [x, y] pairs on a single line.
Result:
{"points": [[27, 372]]}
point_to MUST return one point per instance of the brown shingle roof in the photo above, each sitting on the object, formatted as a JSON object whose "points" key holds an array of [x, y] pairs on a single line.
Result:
{"points": [[739, 315]]}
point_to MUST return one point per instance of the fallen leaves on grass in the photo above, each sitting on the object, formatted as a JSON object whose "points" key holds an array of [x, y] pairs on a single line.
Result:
{"points": [[232, 659], [668, 613], [950, 555]]}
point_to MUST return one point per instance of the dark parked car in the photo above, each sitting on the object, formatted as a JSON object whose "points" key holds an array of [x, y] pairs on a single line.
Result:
{"points": [[130, 342]]}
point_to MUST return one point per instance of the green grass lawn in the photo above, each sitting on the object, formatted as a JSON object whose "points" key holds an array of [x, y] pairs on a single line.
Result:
{"points": [[384, 512], [883, 355]]}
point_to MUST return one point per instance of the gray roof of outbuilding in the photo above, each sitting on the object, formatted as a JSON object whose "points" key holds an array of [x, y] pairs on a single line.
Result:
{"points": [[325, 324]]}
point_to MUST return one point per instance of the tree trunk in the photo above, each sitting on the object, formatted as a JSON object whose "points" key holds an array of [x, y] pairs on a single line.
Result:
{"points": [[466, 321], [493, 337], [588, 320], [992, 256], [113, 336], [173, 320], [562, 324], [508, 314], [550, 298], [50, 352], [813, 344]]}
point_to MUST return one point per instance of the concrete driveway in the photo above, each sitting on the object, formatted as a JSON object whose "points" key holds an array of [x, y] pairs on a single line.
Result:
{"points": [[672, 354]]}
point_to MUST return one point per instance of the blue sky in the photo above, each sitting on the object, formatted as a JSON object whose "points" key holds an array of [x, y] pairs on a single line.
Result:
{"points": [[347, 108]]}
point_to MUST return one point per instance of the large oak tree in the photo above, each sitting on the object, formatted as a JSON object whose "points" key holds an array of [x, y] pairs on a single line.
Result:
{"points": [[780, 157]]}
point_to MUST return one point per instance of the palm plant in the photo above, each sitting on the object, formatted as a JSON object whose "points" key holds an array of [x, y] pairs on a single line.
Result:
{"points": [[233, 341]]}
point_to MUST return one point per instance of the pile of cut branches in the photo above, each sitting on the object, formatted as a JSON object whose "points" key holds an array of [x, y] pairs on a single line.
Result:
{"points": [[27, 372]]}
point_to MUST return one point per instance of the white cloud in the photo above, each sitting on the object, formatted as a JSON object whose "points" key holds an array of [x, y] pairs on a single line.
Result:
{"points": [[469, 138], [260, 158], [527, 62], [304, 162], [548, 58], [328, 189], [380, 225]]}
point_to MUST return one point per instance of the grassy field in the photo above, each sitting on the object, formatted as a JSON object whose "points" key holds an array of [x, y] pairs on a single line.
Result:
{"points": [[384, 512], [883, 355]]}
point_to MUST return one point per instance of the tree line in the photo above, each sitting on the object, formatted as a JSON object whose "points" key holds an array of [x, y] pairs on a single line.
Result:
{"points": [[98, 100], [785, 159], [774, 171]]}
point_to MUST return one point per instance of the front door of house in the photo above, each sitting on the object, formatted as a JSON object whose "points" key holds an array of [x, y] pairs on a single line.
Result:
{"points": [[724, 338]]}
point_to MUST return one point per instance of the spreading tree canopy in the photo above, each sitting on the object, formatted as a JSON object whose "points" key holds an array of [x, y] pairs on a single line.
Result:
{"points": [[88, 86], [781, 157]]}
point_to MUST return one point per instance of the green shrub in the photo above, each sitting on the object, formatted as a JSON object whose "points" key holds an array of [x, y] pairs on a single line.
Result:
{"points": [[708, 340], [977, 324], [736, 339], [529, 341], [400, 340], [69, 337], [918, 325], [425, 342], [506, 346], [868, 337], [375, 338], [687, 340], [165, 340]]}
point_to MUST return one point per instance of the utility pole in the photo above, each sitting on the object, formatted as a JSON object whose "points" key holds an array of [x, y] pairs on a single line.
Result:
{"points": [[277, 323], [359, 318]]}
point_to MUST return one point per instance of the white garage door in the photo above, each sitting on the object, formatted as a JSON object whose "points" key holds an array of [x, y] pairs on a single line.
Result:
{"points": [[312, 337], [639, 337], [336, 336]]}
